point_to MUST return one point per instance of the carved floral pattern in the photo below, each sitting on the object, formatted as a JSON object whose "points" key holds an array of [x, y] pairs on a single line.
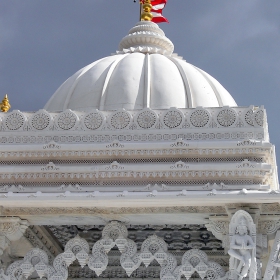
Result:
{"points": [[15, 120], [249, 117], [93, 120], [120, 120], [259, 117], [172, 118], [67, 120], [226, 117], [146, 119], [199, 118], [40, 121]]}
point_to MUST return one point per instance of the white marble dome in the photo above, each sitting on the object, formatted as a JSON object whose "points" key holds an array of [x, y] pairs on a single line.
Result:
{"points": [[143, 73]]}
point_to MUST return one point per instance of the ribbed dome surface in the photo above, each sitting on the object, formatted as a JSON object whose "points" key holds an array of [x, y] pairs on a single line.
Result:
{"points": [[141, 75]]}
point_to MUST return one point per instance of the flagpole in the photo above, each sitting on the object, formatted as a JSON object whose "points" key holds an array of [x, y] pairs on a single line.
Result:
{"points": [[140, 12]]}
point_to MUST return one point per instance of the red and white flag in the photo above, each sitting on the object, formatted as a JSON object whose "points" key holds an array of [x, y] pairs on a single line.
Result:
{"points": [[158, 6]]}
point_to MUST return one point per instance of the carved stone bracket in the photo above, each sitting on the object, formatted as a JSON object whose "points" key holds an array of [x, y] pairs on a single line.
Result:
{"points": [[11, 229], [219, 226]]}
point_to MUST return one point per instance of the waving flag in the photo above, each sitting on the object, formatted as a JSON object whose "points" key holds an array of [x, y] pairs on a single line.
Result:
{"points": [[158, 6]]}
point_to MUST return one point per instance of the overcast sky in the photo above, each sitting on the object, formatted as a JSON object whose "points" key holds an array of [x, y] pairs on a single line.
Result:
{"points": [[43, 42]]}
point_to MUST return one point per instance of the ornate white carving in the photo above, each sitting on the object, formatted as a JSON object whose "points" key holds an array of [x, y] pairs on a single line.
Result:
{"points": [[52, 145], [115, 144], [200, 118], [179, 143], [226, 117], [93, 120], [66, 120], [179, 165], [259, 117], [246, 164], [120, 119], [219, 226], [146, 119], [249, 117], [242, 231], [269, 226], [273, 265], [12, 228], [15, 120], [50, 167], [76, 248], [173, 118], [146, 37], [247, 143], [196, 260], [114, 166], [41, 120]]}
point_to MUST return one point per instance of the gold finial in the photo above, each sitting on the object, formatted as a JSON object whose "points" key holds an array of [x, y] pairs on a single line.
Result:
{"points": [[146, 14], [5, 105]]}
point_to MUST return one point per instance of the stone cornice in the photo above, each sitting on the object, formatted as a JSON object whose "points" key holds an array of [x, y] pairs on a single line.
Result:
{"points": [[180, 169], [116, 148], [145, 200]]}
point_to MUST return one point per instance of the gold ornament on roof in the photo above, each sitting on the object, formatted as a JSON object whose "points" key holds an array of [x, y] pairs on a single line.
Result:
{"points": [[5, 105], [146, 14]]}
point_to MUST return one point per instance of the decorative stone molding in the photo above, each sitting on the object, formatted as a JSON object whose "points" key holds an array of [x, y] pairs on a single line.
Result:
{"points": [[178, 170], [273, 265], [242, 233]]}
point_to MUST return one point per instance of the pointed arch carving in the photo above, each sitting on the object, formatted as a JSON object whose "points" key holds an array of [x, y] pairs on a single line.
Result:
{"points": [[114, 234]]}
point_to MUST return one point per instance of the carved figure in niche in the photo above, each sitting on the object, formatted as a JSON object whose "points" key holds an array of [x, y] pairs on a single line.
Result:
{"points": [[242, 248]]}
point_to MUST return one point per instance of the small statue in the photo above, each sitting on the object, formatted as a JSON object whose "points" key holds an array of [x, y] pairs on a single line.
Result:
{"points": [[241, 249]]}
